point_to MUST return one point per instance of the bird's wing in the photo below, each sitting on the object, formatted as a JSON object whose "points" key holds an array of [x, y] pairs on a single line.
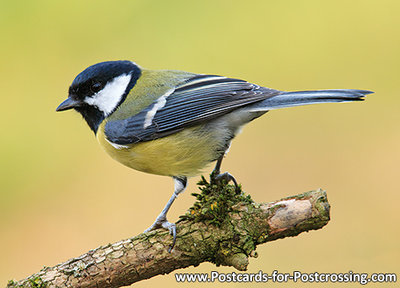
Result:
{"points": [[200, 98]]}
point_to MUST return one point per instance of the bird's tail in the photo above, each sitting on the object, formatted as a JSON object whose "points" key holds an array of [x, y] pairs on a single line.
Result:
{"points": [[297, 98]]}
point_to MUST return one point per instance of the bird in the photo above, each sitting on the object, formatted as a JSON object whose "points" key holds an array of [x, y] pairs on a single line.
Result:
{"points": [[174, 123]]}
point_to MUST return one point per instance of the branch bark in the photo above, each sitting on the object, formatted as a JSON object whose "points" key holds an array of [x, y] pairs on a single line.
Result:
{"points": [[222, 227]]}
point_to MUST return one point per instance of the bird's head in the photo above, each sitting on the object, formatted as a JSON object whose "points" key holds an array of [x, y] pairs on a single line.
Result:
{"points": [[99, 89]]}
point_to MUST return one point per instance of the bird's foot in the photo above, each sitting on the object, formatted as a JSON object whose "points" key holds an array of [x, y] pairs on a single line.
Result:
{"points": [[227, 177], [162, 222]]}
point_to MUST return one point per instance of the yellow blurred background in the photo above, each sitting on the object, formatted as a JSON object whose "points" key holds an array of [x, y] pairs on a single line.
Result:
{"points": [[61, 195]]}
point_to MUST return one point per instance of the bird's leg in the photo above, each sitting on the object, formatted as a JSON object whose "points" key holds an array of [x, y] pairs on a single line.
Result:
{"points": [[161, 220], [217, 176]]}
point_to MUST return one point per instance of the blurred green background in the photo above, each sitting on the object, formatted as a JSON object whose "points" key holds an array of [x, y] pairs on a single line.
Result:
{"points": [[61, 195]]}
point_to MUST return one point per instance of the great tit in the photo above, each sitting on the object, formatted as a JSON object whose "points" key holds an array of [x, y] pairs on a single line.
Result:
{"points": [[174, 123]]}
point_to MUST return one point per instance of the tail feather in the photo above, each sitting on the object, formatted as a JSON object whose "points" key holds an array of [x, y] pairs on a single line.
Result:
{"points": [[297, 98]]}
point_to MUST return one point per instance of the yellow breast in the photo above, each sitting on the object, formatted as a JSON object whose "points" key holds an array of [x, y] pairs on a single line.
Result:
{"points": [[185, 153]]}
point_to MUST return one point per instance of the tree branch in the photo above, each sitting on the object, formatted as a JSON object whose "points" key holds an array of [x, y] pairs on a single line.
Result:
{"points": [[222, 227]]}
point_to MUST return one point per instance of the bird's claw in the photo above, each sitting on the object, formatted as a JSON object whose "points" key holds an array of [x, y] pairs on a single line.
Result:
{"points": [[163, 223], [227, 177]]}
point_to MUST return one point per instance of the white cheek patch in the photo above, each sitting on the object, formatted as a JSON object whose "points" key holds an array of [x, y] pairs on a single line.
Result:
{"points": [[108, 98]]}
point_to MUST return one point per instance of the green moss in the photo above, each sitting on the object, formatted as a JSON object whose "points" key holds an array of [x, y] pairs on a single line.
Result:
{"points": [[11, 283], [215, 201], [37, 282], [34, 282], [213, 205], [323, 207]]}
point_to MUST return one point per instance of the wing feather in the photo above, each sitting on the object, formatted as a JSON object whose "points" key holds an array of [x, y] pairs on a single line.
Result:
{"points": [[201, 98]]}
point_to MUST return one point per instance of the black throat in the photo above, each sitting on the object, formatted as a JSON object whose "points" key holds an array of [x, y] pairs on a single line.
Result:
{"points": [[92, 115]]}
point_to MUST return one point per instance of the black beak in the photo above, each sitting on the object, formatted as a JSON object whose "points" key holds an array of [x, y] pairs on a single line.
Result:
{"points": [[69, 103]]}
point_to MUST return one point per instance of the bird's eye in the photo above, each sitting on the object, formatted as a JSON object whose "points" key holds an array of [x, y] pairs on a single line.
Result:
{"points": [[96, 87]]}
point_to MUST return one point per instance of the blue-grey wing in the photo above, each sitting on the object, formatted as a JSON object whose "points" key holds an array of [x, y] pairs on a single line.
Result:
{"points": [[199, 99]]}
